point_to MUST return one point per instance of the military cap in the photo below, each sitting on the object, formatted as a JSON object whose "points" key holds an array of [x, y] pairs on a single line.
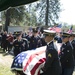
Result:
{"points": [[65, 34], [17, 33], [49, 32], [72, 34], [34, 30]]}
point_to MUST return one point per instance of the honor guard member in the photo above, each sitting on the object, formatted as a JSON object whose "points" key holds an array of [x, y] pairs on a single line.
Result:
{"points": [[59, 36], [33, 40], [66, 55], [20, 44], [52, 65], [73, 44]]}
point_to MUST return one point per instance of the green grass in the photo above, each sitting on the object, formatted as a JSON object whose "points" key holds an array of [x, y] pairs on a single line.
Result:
{"points": [[4, 66], [5, 70]]}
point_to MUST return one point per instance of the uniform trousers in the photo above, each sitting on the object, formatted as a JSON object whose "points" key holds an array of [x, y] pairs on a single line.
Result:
{"points": [[67, 71]]}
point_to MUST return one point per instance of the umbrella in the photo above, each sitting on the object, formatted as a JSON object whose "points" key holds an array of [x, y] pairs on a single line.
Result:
{"points": [[4, 4]]}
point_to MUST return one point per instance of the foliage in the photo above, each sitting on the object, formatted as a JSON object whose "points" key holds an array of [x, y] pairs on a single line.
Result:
{"points": [[53, 11], [35, 14], [17, 15]]}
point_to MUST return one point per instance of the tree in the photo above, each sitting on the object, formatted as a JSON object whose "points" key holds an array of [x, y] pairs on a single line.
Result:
{"points": [[14, 16], [32, 15], [49, 11], [7, 21]]}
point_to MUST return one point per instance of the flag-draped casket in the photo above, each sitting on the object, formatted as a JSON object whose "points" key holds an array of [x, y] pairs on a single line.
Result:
{"points": [[31, 61]]}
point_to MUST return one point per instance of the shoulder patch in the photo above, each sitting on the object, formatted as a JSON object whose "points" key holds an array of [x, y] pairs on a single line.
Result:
{"points": [[49, 55]]}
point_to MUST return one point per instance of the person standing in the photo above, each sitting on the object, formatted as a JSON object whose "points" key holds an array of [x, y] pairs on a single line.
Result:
{"points": [[4, 41], [72, 37], [66, 55], [59, 36], [52, 65], [20, 44], [10, 39]]}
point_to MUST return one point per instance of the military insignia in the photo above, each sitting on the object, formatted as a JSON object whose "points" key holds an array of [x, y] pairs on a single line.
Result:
{"points": [[49, 55], [62, 49], [67, 50]]}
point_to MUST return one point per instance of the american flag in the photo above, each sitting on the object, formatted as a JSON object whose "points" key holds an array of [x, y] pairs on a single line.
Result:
{"points": [[70, 30], [35, 61], [31, 61], [55, 28]]}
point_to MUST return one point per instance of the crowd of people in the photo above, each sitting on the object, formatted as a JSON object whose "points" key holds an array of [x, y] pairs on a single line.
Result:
{"points": [[57, 63], [20, 41]]}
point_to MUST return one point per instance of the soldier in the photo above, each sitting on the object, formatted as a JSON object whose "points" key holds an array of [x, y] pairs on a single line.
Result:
{"points": [[52, 65], [34, 40], [66, 56], [20, 44], [59, 37], [73, 44]]}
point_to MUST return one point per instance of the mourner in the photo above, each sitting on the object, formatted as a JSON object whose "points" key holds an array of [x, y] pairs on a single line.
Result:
{"points": [[10, 39], [20, 44], [52, 65], [66, 55], [4, 41]]}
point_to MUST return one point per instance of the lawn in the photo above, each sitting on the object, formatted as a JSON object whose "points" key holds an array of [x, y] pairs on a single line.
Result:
{"points": [[5, 70], [5, 63]]}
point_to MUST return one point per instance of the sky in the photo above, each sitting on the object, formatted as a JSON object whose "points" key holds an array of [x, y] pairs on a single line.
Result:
{"points": [[68, 13]]}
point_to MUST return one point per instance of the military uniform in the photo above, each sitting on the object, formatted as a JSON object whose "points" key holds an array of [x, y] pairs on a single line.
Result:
{"points": [[59, 40], [20, 46], [52, 64], [73, 44], [66, 58], [32, 42]]}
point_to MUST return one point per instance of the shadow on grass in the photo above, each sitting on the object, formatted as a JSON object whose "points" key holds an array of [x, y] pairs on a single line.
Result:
{"points": [[6, 53]]}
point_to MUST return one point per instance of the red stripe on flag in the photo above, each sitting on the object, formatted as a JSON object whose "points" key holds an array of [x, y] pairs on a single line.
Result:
{"points": [[31, 58], [37, 65]]}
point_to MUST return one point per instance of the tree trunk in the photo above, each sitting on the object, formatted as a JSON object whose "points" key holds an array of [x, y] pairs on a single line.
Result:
{"points": [[46, 15], [7, 22]]}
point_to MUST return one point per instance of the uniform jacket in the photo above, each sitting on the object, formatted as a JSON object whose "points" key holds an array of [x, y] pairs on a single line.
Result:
{"points": [[52, 65], [32, 42], [73, 44], [66, 55], [20, 46]]}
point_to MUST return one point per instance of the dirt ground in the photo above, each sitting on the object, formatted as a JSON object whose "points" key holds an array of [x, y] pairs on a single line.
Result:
{"points": [[6, 60]]}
